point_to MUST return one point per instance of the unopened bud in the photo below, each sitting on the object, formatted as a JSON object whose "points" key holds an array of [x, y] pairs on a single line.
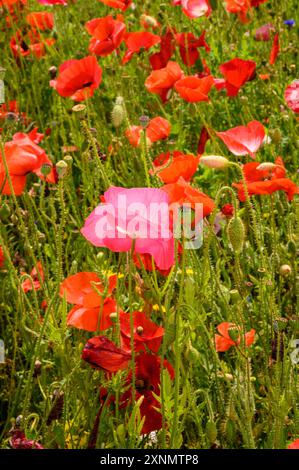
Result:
{"points": [[79, 109], [214, 161], [285, 270], [68, 159], [236, 234], [61, 168], [266, 166], [211, 431], [118, 113]]}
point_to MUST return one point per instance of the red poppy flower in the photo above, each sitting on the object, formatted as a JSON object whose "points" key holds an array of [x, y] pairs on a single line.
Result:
{"points": [[264, 32], [230, 335], [91, 311], [236, 72], [36, 274], [32, 43], [159, 59], [193, 89], [188, 45], [266, 181], [194, 8], [147, 383], [78, 79], [2, 257], [294, 444], [139, 41], [120, 4], [163, 80], [101, 353], [11, 110], [157, 129], [275, 50], [107, 35], [227, 210], [52, 2], [146, 332], [239, 7], [244, 140], [12, 4], [18, 440], [291, 95], [203, 139], [170, 166], [41, 20], [23, 156], [182, 193]]}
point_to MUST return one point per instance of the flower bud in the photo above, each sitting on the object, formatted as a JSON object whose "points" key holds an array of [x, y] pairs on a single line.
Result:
{"points": [[211, 430], [214, 161], [61, 168], [236, 234], [285, 270], [117, 115], [80, 110], [266, 166]]}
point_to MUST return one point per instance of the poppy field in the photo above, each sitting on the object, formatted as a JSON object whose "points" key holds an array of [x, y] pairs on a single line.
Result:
{"points": [[149, 224]]}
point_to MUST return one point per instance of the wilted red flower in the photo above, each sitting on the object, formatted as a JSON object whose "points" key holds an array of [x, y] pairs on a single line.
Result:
{"points": [[160, 59], [236, 72], [41, 20], [31, 43], [231, 335], [291, 95], [120, 4], [158, 128], [78, 79], [147, 383], [263, 33], [194, 8], [18, 440], [244, 140], [266, 181], [194, 89], [294, 444], [146, 332], [23, 156], [139, 41], [163, 80], [188, 45], [182, 193], [275, 50], [101, 353], [37, 275], [92, 310], [107, 35], [170, 166]]}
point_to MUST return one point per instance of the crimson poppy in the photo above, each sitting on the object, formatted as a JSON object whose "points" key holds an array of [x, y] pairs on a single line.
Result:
{"points": [[147, 384], [78, 79], [274, 50], [41, 20], [92, 310], [2, 257], [193, 89], [101, 353], [261, 181], [18, 440], [236, 72], [23, 156], [188, 45], [163, 80], [120, 4], [291, 95], [158, 128], [159, 60], [139, 41], [146, 332], [170, 166], [182, 193], [244, 140], [37, 275], [107, 35], [231, 335]]}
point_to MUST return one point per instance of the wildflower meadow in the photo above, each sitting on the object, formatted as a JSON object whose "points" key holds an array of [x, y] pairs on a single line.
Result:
{"points": [[149, 224]]}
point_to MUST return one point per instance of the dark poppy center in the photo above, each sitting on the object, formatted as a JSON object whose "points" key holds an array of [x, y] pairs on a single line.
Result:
{"points": [[86, 85]]}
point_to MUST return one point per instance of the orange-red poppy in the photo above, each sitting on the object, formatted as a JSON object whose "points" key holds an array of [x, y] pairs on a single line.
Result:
{"points": [[266, 181], [101, 353], [236, 73], [244, 140], [92, 310], [188, 45], [78, 79], [294, 445], [160, 59], [231, 335], [274, 50], [170, 166], [120, 4], [41, 20], [158, 129], [139, 41], [163, 80], [107, 35], [193, 89], [37, 275]]}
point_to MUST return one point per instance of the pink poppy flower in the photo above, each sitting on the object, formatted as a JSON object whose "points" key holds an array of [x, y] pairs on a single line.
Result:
{"points": [[194, 8], [140, 214], [244, 140], [291, 96]]}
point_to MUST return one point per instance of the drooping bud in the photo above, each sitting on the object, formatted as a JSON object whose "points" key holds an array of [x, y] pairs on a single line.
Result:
{"points": [[236, 234], [214, 161], [285, 270]]}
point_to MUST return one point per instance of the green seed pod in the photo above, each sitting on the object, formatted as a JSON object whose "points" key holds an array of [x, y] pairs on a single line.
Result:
{"points": [[118, 114], [235, 296], [61, 168], [211, 430], [236, 234], [192, 354]]}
